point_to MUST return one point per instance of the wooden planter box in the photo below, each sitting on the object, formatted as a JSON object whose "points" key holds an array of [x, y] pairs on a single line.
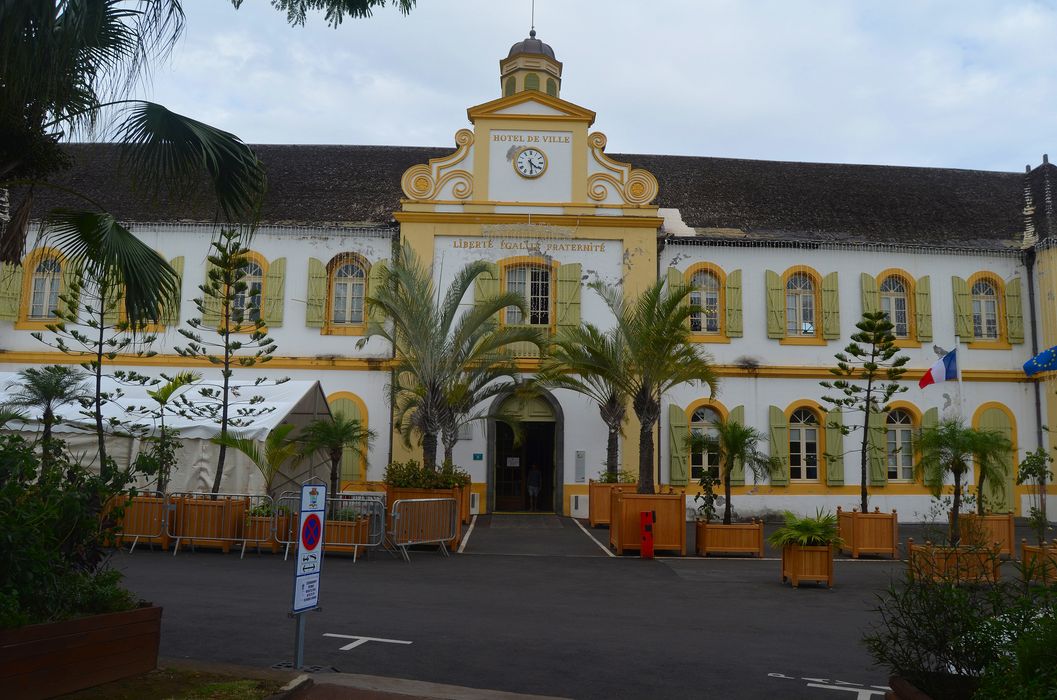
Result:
{"points": [[144, 521], [400, 493], [669, 527], [210, 522], [258, 531], [464, 505], [868, 533], [345, 536], [42, 661], [955, 564], [598, 503], [988, 531], [1040, 563], [807, 564], [736, 538]]}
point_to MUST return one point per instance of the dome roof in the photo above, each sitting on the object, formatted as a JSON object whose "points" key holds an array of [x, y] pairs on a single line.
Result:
{"points": [[531, 45]]}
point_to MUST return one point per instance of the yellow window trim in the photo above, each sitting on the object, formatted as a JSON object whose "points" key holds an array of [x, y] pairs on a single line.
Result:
{"points": [[329, 327], [820, 447], [531, 261], [364, 418], [915, 426], [816, 281], [1002, 341], [977, 415], [910, 341], [802, 340], [721, 278], [29, 266], [344, 329]]}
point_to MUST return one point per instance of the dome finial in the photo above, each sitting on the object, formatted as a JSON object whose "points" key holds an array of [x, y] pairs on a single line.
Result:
{"points": [[532, 33], [532, 23]]}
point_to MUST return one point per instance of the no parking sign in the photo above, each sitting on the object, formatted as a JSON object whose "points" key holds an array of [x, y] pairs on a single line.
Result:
{"points": [[310, 547]]}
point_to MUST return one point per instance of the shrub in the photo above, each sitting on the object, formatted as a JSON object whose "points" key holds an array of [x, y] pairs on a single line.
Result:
{"points": [[816, 531], [621, 477], [412, 475]]}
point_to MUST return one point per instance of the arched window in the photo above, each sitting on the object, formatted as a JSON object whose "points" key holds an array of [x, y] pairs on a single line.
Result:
{"points": [[705, 295], [703, 422], [248, 301], [985, 310], [803, 445], [534, 283], [511, 87], [899, 446], [532, 82], [894, 302], [800, 305], [552, 87], [348, 284], [44, 290]]}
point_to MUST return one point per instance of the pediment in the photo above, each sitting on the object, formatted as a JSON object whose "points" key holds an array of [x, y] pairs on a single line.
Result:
{"points": [[530, 103]]}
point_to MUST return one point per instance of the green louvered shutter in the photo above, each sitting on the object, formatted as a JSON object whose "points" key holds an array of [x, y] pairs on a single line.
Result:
{"points": [[830, 307], [569, 296], [779, 445], [678, 430], [274, 293], [316, 300], [931, 419], [674, 279], [486, 286], [1014, 312], [923, 309], [734, 323], [210, 303], [877, 451], [70, 287], [999, 495], [963, 309], [775, 305], [10, 291], [170, 313], [870, 301], [350, 461], [375, 280], [834, 449], [737, 474]]}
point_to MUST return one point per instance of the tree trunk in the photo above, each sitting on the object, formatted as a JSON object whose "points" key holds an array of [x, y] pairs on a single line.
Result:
{"points": [[335, 473], [646, 456], [45, 438], [728, 511], [863, 476], [612, 452], [225, 397], [100, 434], [163, 465], [956, 534], [980, 493], [429, 451], [449, 439]]}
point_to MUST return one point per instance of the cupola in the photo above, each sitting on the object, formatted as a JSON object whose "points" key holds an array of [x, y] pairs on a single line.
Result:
{"points": [[530, 65]]}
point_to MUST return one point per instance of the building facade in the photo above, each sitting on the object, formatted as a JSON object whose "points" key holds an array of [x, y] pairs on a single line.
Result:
{"points": [[784, 258]]}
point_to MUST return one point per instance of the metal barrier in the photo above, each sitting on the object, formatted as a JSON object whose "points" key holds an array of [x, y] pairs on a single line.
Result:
{"points": [[220, 519], [354, 521], [423, 521], [143, 517]]}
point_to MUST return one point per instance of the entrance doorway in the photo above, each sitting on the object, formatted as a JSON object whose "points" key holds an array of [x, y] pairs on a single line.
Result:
{"points": [[514, 467]]}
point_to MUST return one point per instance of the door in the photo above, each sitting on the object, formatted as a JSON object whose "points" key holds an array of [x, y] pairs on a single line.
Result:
{"points": [[514, 464]]}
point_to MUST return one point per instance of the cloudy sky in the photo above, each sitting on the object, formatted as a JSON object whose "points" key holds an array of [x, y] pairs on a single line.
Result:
{"points": [[958, 83]]}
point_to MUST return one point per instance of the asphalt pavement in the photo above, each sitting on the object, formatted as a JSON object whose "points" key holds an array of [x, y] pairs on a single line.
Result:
{"points": [[534, 606]]}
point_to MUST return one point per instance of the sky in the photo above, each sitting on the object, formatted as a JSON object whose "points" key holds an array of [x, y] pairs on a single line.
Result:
{"points": [[957, 83]]}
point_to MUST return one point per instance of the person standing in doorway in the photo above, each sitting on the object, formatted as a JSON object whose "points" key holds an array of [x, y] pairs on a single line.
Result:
{"points": [[535, 482]]}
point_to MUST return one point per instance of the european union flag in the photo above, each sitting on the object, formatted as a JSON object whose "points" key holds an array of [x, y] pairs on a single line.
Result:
{"points": [[1045, 360]]}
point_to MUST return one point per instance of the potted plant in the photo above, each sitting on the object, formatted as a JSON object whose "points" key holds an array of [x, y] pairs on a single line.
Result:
{"points": [[807, 545], [410, 480], [346, 529], [736, 446], [1039, 560], [598, 494], [951, 448]]}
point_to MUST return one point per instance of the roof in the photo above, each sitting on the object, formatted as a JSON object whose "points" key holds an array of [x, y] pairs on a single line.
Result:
{"points": [[531, 45], [765, 200]]}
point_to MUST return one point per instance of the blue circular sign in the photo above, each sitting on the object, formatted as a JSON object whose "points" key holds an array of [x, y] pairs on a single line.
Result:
{"points": [[311, 532]]}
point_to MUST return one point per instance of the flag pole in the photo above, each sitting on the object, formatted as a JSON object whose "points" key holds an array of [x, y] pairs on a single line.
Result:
{"points": [[958, 365]]}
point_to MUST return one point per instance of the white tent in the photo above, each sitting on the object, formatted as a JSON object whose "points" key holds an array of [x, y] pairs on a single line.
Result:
{"points": [[292, 402]]}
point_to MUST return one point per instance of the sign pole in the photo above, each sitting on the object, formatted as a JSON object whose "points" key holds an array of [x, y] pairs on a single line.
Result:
{"points": [[313, 518]]}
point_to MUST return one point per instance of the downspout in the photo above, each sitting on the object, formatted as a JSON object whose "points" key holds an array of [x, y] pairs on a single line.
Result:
{"points": [[1029, 266], [661, 242]]}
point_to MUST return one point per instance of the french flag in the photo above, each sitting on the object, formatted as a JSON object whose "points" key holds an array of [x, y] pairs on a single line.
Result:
{"points": [[945, 369]]}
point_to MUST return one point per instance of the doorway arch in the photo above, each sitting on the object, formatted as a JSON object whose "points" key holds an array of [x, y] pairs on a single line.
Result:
{"points": [[540, 409]]}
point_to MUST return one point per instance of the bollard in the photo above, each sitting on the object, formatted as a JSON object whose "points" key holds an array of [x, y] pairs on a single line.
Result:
{"points": [[646, 519]]}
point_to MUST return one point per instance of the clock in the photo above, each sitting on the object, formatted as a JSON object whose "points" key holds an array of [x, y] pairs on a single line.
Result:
{"points": [[530, 162]]}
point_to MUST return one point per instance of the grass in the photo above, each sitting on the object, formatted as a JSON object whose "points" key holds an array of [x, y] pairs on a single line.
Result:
{"points": [[180, 684]]}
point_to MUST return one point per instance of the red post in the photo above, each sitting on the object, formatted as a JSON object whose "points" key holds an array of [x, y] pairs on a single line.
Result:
{"points": [[646, 530]]}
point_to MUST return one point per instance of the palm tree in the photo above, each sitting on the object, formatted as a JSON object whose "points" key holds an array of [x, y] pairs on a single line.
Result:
{"points": [[438, 345], [68, 67], [47, 389], [585, 360], [332, 436], [951, 448], [278, 450], [655, 332], [166, 437], [734, 443]]}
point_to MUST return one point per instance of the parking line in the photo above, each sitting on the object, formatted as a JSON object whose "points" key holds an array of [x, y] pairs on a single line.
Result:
{"points": [[600, 545], [466, 537]]}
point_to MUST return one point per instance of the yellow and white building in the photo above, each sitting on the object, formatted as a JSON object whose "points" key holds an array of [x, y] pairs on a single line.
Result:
{"points": [[785, 256]]}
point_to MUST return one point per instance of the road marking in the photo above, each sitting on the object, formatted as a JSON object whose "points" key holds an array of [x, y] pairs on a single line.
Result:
{"points": [[466, 537], [360, 641], [600, 545]]}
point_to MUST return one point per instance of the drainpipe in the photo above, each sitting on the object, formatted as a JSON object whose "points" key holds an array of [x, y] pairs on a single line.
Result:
{"points": [[1029, 266], [661, 240]]}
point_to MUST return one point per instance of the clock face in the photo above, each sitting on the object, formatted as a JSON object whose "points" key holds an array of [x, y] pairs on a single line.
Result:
{"points": [[530, 162]]}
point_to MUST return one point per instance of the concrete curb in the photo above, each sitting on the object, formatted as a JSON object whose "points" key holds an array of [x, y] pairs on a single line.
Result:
{"points": [[416, 689]]}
